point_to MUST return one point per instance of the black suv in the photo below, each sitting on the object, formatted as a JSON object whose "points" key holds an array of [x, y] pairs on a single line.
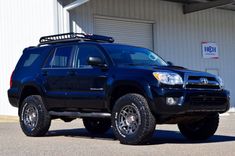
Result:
{"points": [[130, 89]]}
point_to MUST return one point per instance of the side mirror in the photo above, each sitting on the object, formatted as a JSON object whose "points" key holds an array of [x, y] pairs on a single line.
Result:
{"points": [[96, 61], [170, 63]]}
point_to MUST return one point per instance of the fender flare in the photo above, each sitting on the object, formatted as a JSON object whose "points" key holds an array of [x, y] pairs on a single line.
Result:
{"points": [[143, 87]]}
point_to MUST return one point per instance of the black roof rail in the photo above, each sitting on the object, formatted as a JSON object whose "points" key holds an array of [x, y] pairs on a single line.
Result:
{"points": [[69, 37]]}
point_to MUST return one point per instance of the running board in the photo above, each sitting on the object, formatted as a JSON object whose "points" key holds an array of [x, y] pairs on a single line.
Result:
{"points": [[80, 114]]}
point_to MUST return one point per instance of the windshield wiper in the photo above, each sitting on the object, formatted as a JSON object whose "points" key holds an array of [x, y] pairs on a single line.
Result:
{"points": [[140, 64], [136, 64]]}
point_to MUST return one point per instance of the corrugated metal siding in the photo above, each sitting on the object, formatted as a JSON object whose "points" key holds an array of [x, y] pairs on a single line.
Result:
{"points": [[21, 25], [177, 37], [139, 33], [85, 21]]}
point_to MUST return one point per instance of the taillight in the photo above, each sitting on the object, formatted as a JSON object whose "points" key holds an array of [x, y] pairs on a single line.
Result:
{"points": [[11, 79]]}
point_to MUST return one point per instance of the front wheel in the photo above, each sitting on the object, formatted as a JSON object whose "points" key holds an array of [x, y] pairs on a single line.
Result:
{"points": [[132, 121], [200, 130]]}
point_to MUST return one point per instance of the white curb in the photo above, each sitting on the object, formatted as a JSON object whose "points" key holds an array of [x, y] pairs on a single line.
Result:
{"points": [[232, 110], [224, 114]]}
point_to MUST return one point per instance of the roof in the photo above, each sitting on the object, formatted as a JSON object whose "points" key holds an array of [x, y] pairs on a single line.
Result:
{"points": [[190, 6]]}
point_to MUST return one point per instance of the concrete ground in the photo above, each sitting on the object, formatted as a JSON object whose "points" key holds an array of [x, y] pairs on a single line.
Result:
{"points": [[72, 139]]}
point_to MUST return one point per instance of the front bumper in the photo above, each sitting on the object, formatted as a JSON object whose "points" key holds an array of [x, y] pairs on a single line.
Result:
{"points": [[190, 101]]}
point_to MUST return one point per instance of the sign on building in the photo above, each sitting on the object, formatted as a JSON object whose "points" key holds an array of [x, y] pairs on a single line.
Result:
{"points": [[210, 50]]}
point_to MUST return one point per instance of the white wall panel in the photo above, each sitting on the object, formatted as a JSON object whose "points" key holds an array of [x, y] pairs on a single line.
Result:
{"points": [[177, 37], [139, 33], [21, 25]]}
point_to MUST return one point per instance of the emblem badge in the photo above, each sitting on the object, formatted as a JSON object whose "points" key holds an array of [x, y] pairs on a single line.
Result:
{"points": [[204, 81]]}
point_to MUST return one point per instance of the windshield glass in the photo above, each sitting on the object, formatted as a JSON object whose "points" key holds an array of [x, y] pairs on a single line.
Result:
{"points": [[130, 55]]}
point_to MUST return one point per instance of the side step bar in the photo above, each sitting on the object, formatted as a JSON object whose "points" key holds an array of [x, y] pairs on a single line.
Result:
{"points": [[80, 114]]}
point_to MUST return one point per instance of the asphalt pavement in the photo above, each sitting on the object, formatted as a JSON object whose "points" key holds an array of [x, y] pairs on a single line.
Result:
{"points": [[68, 139]]}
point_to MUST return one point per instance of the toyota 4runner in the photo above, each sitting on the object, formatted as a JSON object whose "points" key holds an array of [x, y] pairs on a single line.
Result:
{"points": [[130, 89]]}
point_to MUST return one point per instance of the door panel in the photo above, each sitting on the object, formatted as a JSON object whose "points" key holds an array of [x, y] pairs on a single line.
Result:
{"points": [[55, 83], [55, 75], [87, 88], [88, 85]]}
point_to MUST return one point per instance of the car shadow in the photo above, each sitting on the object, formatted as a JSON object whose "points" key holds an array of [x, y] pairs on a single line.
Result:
{"points": [[159, 136], [175, 137], [81, 133]]}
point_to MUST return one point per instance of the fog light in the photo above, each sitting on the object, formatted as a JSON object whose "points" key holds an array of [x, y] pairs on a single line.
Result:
{"points": [[175, 101], [171, 101]]}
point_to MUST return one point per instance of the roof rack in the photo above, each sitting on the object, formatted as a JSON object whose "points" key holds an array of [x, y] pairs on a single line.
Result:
{"points": [[69, 37]]}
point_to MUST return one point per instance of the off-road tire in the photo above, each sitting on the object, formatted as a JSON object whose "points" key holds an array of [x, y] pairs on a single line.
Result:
{"points": [[146, 123], [200, 130], [42, 117], [97, 125]]}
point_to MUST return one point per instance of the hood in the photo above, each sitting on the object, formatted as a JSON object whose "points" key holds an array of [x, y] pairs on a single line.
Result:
{"points": [[182, 70], [177, 69]]}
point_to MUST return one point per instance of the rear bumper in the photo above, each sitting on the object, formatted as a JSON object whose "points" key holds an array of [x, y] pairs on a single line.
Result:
{"points": [[13, 97], [190, 101]]}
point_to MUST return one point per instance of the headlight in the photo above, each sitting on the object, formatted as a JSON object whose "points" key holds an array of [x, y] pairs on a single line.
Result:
{"points": [[221, 83], [168, 78]]}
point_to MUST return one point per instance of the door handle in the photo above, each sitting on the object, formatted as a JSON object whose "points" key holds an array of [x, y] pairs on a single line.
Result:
{"points": [[71, 73]]}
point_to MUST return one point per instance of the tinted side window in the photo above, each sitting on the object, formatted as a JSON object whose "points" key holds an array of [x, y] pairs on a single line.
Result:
{"points": [[61, 58], [31, 58], [86, 51]]}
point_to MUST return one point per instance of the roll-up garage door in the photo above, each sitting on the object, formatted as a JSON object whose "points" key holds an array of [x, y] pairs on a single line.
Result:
{"points": [[126, 32]]}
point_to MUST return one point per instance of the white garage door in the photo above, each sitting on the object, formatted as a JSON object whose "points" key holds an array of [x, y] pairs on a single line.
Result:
{"points": [[126, 32]]}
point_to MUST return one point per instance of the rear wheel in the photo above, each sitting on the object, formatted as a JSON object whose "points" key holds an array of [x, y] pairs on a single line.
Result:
{"points": [[200, 130], [132, 120], [34, 118], [97, 125]]}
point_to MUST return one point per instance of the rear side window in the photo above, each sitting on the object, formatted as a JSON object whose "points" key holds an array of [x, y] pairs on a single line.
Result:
{"points": [[61, 57], [31, 58]]}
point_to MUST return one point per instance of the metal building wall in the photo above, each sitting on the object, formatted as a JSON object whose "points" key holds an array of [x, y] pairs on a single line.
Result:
{"points": [[21, 25], [177, 37]]}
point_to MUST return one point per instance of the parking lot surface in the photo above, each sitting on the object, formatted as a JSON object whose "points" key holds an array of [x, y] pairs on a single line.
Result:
{"points": [[72, 139]]}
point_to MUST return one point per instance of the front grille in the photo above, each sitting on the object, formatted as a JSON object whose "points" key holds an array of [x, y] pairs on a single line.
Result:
{"points": [[199, 77], [207, 100], [198, 86], [195, 82]]}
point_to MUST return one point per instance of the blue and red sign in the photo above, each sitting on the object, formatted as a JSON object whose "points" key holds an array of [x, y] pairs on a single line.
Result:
{"points": [[210, 50]]}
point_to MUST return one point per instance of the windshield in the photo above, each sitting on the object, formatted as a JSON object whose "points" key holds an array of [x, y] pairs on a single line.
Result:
{"points": [[130, 55]]}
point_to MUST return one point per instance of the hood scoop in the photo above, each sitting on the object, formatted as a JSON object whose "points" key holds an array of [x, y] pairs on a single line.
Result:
{"points": [[171, 67]]}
